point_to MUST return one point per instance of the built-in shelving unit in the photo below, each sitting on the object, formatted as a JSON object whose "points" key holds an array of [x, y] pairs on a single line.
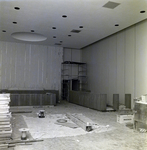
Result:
{"points": [[74, 77]]}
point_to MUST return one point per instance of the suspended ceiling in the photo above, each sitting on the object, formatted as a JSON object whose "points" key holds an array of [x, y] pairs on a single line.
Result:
{"points": [[68, 23]]}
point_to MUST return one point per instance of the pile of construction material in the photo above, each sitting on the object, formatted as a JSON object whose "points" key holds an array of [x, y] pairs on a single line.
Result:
{"points": [[5, 117]]}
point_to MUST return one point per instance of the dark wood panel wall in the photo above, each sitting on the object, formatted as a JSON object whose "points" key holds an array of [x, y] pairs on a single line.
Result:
{"points": [[90, 100], [33, 97]]}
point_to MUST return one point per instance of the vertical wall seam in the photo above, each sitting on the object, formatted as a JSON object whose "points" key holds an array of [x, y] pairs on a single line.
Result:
{"points": [[10, 84], [25, 65], [116, 62], [124, 62], [1, 68], [6, 67], [135, 61], [30, 53], [15, 65]]}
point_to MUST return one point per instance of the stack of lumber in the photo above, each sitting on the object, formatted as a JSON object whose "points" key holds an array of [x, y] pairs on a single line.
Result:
{"points": [[5, 117]]}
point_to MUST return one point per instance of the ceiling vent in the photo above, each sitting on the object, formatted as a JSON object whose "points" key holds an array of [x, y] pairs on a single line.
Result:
{"points": [[111, 5], [75, 31]]}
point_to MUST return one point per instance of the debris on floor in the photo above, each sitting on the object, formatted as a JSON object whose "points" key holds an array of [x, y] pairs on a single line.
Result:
{"points": [[109, 109], [41, 114], [21, 111], [13, 143], [82, 121], [142, 130], [130, 125]]}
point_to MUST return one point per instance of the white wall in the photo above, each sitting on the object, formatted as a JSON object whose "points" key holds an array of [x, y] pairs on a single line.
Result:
{"points": [[72, 55], [118, 64], [26, 66]]}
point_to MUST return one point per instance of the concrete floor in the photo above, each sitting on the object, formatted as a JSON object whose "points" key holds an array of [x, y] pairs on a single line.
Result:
{"points": [[117, 136]]}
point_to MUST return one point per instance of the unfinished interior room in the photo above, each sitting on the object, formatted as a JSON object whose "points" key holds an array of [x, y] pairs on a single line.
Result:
{"points": [[73, 75]]}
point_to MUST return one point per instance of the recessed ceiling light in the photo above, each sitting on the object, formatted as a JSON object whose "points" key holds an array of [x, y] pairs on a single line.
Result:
{"points": [[54, 37], [27, 36], [80, 26], [17, 8], [143, 11], [53, 27], [14, 22], [75, 31], [3, 30], [64, 16], [116, 25]]}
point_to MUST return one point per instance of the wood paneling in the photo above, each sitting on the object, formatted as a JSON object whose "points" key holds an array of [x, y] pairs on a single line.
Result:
{"points": [[89, 100]]}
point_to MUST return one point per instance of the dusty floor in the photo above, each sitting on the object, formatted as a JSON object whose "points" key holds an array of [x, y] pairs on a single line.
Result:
{"points": [[117, 136]]}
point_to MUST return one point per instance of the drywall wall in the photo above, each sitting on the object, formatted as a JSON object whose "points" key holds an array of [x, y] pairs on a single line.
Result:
{"points": [[72, 55], [27, 66], [118, 63]]}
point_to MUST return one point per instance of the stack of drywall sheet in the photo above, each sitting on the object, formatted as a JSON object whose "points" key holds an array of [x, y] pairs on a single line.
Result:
{"points": [[5, 117]]}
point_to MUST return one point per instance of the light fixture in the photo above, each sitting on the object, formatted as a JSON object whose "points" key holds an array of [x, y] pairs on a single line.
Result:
{"points": [[64, 16], [80, 26], [53, 27], [27, 36], [14, 22], [75, 31], [142, 11], [17, 8]]}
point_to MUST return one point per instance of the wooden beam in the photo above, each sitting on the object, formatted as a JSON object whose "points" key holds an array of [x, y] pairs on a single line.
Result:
{"points": [[82, 121]]}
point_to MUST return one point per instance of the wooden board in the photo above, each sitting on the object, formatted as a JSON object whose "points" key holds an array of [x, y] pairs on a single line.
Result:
{"points": [[82, 121]]}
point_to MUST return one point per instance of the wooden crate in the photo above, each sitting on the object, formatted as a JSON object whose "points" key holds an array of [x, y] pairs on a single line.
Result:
{"points": [[125, 118]]}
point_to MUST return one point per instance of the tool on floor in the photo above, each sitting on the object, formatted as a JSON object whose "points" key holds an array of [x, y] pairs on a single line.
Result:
{"points": [[24, 132], [41, 114]]}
